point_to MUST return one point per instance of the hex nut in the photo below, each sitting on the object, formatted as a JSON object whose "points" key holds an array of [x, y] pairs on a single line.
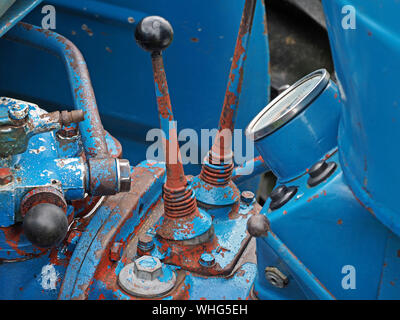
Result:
{"points": [[148, 268], [124, 169], [276, 277], [247, 197], [145, 243], [69, 133], [147, 277]]}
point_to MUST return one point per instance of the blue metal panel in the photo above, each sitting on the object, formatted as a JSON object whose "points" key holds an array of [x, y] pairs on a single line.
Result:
{"points": [[197, 64], [12, 11], [366, 61], [326, 237]]}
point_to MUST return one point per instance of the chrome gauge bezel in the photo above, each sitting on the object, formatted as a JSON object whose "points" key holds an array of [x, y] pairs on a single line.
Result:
{"points": [[293, 111]]}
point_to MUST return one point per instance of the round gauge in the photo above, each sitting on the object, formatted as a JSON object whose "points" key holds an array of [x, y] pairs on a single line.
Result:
{"points": [[288, 104]]}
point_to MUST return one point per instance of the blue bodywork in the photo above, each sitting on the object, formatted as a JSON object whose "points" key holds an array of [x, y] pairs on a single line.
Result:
{"points": [[350, 220]]}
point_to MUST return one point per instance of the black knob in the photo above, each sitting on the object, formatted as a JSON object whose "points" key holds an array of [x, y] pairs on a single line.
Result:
{"points": [[281, 195], [154, 33], [45, 225], [320, 171]]}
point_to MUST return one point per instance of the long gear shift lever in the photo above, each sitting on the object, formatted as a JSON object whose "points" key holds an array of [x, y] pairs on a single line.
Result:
{"points": [[182, 219]]}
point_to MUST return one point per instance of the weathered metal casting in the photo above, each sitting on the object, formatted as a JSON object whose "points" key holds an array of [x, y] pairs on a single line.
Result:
{"points": [[27, 139], [91, 128]]}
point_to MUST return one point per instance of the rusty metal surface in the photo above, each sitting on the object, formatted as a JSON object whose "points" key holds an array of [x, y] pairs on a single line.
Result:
{"points": [[42, 195], [234, 87], [182, 219], [226, 239], [91, 127], [117, 220]]}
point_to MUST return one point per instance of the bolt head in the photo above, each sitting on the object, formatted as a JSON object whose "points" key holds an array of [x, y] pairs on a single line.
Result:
{"points": [[247, 197], [155, 285], [67, 132], [145, 243], [207, 260], [18, 111], [148, 268]]}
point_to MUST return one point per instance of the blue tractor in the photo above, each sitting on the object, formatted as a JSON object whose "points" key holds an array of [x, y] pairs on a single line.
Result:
{"points": [[86, 212]]}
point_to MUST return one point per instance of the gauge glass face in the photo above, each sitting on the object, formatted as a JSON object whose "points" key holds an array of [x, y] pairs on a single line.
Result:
{"points": [[286, 104]]}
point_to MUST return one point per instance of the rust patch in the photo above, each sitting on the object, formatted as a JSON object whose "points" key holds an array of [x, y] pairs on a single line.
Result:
{"points": [[87, 29]]}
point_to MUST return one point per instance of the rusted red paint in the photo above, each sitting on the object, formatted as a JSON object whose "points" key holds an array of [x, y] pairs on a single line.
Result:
{"points": [[13, 239], [176, 179], [6, 176], [228, 113], [122, 205], [116, 251], [369, 209], [221, 151], [42, 195], [85, 205], [180, 206], [77, 67], [222, 175], [315, 196], [187, 256]]}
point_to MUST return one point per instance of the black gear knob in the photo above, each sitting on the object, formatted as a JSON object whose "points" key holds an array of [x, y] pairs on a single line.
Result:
{"points": [[45, 225], [154, 33]]}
